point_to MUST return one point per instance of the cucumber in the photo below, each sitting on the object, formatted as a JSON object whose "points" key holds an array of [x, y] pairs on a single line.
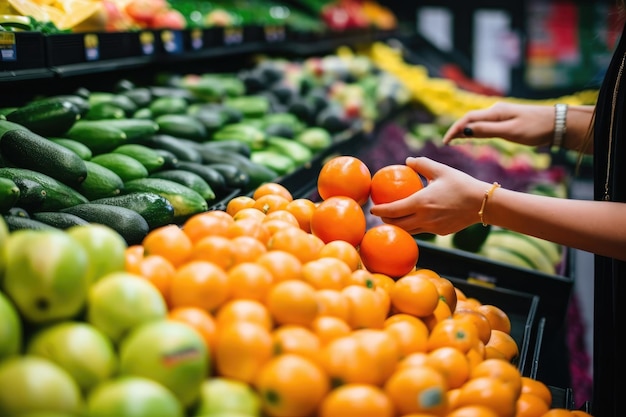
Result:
{"points": [[183, 150], [170, 160], [119, 100], [315, 138], [227, 145], [15, 223], [233, 175], [189, 179], [100, 182], [143, 113], [9, 194], [81, 103], [97, 136], [299, 153], [150, 159], [212, 176], [128, 223], [6, 126], [155, 209], [126, 167], [32, 193], [275, 161], [168, 105], [105, 110], [59, 219], [58, 195], [78, 148], [186, 202], [51, 117], [251, 135], [182, 126], [26, 149], [18, 212], [141, 96], [136, 129]]}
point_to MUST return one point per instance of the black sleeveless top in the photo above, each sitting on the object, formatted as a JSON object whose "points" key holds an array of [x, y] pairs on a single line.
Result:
{"points": [[609, 364]]}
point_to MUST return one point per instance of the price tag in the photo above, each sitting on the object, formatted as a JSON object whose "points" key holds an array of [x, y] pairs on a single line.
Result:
{"points": [[274, 33], [172, 41], [233, 35], [197, 41], [8, 48], [92, 47], [146, 39]]}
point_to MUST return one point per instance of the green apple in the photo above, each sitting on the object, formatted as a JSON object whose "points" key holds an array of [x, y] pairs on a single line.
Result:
{"points": [[45, 275], [119, 301], [221, 395], [105, 248], [80, 349], [31, 384], [10, 329], [130, 396], [169, 352]]}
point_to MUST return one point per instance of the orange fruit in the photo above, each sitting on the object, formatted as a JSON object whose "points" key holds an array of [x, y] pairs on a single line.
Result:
{"points": [[297, 242], [241, 349], [580, 413], [366, 307], [503, 370], [558, 412], [361, 277], [343, 250], [199, 284], [291, 386], [363, 400], [170, 242], [415, 295], [529, 405], [239, 310], [444, 287], [328, 328], [238, 203], [249, 227], [282, 265], [501, 344], [344, 176], [418, 359], [302, 209], [411, 336], [442, 312], [269, 203], [298, 340], [133, 255], [214, 248], [383, 281], [293, 302], [383, 352], [345, 360], [200, 320], [454, 333], [402, 317], [476, 354], [451, 363], [272, 188], [417, 390], [158, 271], [498, 319], [283, 215], [389, 250], [490, 392], [333, 303], [478, 319], [339, 218], [274, 225], [249, 213], [472, 411], [326, 273], [205, 224], [536, 388], [394, 182], [249, 280], [247, 249]]}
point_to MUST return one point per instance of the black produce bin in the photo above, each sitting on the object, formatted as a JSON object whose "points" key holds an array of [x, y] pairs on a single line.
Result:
{"points": [[21, 51]]}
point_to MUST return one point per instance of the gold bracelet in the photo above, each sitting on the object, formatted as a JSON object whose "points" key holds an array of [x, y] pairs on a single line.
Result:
{"points": [[488, 194]]}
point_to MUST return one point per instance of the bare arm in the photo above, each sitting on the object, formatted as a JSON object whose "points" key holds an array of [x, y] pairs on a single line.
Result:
{"points": [[527, 124], [452, 199]]}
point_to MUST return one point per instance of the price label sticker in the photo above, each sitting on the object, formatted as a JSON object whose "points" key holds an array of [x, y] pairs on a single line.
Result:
{"points": [[146, 40], [8, 46], [233, 35], [172, 41], [92, 47], [197, 41]]}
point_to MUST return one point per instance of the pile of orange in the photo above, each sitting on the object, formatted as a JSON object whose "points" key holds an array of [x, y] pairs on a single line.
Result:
{"points": [[287, 306]]}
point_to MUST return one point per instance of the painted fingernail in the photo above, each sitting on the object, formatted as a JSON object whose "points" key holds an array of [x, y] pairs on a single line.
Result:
{"points": [[468, 131]]}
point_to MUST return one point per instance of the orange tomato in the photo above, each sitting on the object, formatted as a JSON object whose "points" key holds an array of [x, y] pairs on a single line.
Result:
{"points": [[293, 302], [411, 336], [269, 203], [367, 307], [198, 319], [241, 349], [478, 319], [363, 400], [417, 390], [333, 303], [345, 360], [454, 333], [242, 310], [299, 340], [442, 312], [339, 218], [472, 411], [326, 273], [302, 209], [291, 386], [249, 280], [328, 328], [283, 215], [158, 271], [199, 284], [132, 257], [249, 213], [297, 242], [498, 319], [383, 352], [452, 363], [536, 388], [238, 203], [343, 250], [418, 359], [529, 405], [205, 224], [415, 295], [272, 188], [394, 182], [282, 265], [361, 277], [249, 227], [444, 286], [214, 248], [383, 281], [247, 249], [389, 250], [501, 344], [503, 370], [170, 242], [489, 392], [345, 176], [274, 225]]}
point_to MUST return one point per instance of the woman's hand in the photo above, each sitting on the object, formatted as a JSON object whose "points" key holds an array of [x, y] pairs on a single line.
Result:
{"points": [[450, 202], [531, 125]]}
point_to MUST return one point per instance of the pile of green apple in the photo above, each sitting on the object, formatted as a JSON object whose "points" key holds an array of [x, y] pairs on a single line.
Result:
{"points": [[80, 337]]}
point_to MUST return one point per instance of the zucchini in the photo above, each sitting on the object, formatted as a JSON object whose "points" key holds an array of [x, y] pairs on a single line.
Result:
{"points": [[26, 149], [128, 223], [135, 129], [234, 176], [15, 223], [189, 179], [186, 202], [78, 148], [49, 117], [170, 161], [182, 148], [155, 209], [182, 126], [99, 137], [105, 110], [258, 173], [168, 105], [150, 159], [32, 193], [81, 103], [100, 182], [141, 96], [126, 167], [59, 219], [227, 145], [212, 176]]}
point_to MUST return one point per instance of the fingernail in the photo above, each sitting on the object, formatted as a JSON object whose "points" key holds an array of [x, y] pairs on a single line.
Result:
{"points": [[468, 131]]}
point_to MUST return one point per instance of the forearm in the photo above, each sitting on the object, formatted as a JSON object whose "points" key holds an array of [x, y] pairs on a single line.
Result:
{"points": [[595, 226], [578, 123]]}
